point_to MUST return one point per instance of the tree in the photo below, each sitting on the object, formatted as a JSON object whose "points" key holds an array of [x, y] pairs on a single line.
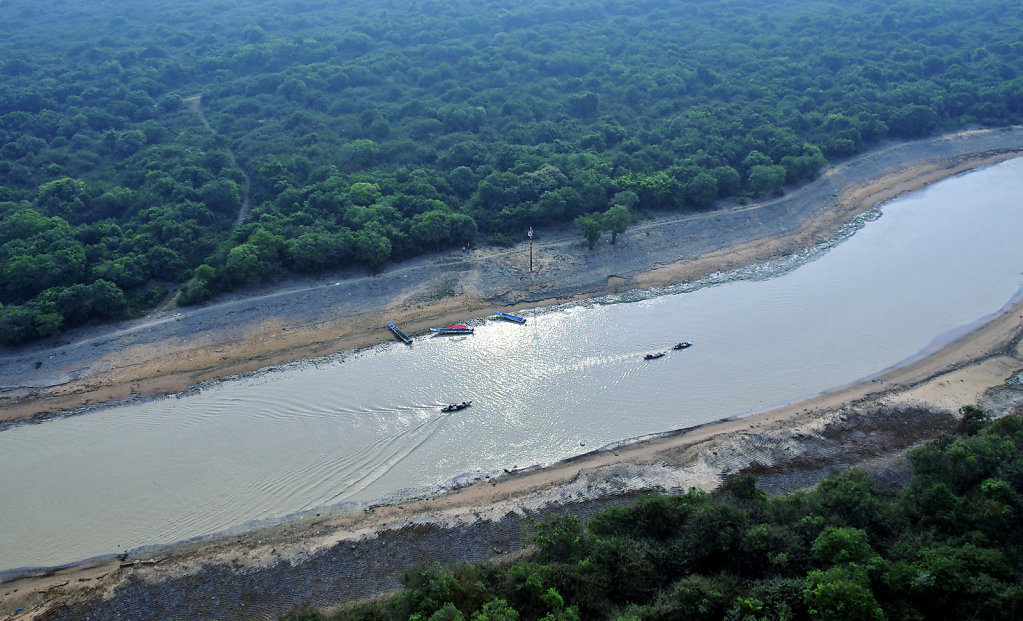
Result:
{"points": [[913, 121], [17, 324], [766, 180], [126, 271], [560, 538], [853, 498], [107, 299], [545, 179], [47, 323], [205, 273], [756, 158], [442, 228], [435, 593], [63, 197], [364, 193], [590, 227], [496, 610], [222, 196], [268, 246], [23, 224], [841, 593], [972, 420], [243, 265], [657, 191], [314, 251], [372, 248], [113, 203], [128, 142], [728, 180], [550, 207], [74, 303], [200, 287], [462, 180], [701, 191], [360, 154], [583, 106], [803, 167], [836, 545], [617, 220], [626, 197]]}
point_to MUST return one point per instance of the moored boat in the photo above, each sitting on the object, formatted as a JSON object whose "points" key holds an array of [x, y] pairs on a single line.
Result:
{"points": [[401, 335], [510, 317], [455, 328]]}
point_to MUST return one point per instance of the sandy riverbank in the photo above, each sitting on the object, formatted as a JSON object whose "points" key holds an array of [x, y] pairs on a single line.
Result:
{"points": [[263, 573], [329, 558], [171, 351]]}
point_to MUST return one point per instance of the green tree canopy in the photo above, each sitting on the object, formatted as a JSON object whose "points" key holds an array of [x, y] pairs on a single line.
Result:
{"points": [[342, 125]]}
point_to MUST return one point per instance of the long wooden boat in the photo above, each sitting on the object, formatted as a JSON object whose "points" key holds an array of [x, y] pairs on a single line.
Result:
{"points": [[510, 317], [455, 328], [401, 335]]}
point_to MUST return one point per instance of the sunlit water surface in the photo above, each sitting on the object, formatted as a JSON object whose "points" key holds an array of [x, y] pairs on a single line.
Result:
{"points": [[362, 426]]}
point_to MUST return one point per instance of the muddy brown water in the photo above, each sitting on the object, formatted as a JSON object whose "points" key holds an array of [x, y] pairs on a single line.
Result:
{"points": [[363, 426]]}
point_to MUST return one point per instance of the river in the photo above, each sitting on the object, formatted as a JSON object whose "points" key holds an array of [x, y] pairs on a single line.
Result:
{"points": [[367, 425]]}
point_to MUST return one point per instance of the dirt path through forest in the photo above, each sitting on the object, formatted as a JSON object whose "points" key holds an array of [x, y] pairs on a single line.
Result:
{"points": [[195, 105]]}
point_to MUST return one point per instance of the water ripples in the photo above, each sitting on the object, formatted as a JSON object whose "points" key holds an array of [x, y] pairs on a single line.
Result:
{"points": [[359, 426]]}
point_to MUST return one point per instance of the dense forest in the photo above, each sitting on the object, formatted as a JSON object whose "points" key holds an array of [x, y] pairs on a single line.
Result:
{"points": [[948, 545], [156, 151]]}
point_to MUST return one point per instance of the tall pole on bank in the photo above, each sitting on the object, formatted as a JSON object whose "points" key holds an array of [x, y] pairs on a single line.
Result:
{"points": [[530, 249]]}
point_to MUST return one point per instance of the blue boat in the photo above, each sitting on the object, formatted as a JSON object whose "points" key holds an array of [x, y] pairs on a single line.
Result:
{"points": [[510, 317], [401, 335]]}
